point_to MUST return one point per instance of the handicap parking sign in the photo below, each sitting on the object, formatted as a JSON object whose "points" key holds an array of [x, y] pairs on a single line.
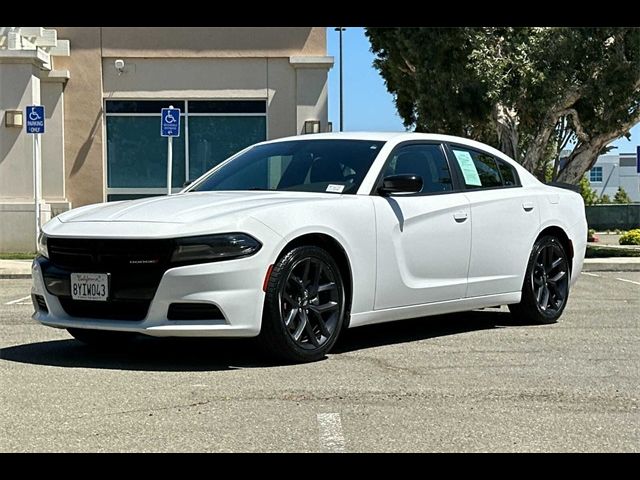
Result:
{"points": [[170, 124], [35, 119]]}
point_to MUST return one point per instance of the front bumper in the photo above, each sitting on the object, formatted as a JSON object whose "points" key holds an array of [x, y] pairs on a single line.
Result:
{"points": [[233, 286]]}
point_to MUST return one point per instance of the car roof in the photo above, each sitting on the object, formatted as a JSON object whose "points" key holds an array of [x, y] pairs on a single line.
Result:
{"points": [[396, 137]]}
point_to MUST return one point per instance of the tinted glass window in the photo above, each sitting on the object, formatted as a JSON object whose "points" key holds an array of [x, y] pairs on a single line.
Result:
{"points": [[137, 154], [227, 106], [508, 173], [488, 170], [214, 139], [142, 106], [427, 161], [333, 166], [479, 170]]}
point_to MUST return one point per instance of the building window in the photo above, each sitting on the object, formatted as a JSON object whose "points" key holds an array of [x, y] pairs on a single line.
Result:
{"points": [[211, 131], [595, 174]]}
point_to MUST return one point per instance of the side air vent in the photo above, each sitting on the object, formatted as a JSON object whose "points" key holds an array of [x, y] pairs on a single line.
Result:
{"points": [[39, 303]]}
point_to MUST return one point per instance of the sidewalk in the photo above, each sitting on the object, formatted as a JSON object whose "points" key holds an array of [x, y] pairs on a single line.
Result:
{"points": [[22, 268], [15, 268], [612, 264]]}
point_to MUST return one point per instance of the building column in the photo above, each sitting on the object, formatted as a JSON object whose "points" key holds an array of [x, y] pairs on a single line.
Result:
{"points": [[26, 59], [53, 159], [19, 87], [311, 90]]}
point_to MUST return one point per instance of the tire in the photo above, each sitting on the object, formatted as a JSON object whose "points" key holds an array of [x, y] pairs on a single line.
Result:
{"points": [[304, 308], [100, 338], [545, 289]]}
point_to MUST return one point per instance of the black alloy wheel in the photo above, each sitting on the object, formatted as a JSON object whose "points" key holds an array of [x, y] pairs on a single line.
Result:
{"points": [[304, 305], [550, 278], [546, 287]]}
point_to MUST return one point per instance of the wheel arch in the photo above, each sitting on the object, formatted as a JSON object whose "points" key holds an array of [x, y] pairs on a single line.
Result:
{"points": [[337, 251], [562, 236]]}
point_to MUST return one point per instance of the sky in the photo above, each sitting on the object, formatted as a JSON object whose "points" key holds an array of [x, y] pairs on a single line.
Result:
{"points": [[367, 104]]}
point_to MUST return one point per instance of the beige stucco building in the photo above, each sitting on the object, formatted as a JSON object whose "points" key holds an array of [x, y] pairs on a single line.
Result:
{"points": [[103, 88]]}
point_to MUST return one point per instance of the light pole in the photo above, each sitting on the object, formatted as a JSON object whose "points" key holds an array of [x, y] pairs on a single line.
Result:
{"points": [[608, 178], [341, 29]]}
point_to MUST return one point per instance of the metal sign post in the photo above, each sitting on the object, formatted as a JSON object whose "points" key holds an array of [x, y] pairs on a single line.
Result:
{"points": [[35, 126], [170, 127]]}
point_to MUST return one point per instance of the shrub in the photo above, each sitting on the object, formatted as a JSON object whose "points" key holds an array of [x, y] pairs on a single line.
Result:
{"points": [[605, 199], [588, 194], [622, 196], [591, 236], [632, 237]]}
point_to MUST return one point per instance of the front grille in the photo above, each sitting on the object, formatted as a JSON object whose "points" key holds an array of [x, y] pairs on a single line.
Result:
{"points": [[96, 255], [135, 267], [194, 311]]}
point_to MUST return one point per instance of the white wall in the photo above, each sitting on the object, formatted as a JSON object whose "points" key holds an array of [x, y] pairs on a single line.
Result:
{"points": [[53, 175], [294, 95], [615, 176], [19, 87]]}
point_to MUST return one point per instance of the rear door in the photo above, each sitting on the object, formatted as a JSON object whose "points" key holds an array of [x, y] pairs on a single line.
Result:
{"points": [[423, 239], [505, 220]]}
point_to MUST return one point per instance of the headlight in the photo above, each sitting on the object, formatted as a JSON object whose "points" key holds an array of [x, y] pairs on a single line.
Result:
{"points": [[42, 245], [210, 248]]}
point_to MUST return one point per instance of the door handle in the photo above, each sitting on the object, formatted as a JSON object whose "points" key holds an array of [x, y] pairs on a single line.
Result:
{"points": [[460, 216], [528, 206]]}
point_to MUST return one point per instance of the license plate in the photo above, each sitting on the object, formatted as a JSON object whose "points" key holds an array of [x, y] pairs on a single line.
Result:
{"points": [[90, 286]]}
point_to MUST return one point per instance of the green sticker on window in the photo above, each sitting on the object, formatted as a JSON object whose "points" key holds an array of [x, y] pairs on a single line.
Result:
{"points": [[468, 168]]}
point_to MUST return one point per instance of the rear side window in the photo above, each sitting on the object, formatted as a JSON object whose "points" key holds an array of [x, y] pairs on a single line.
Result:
{"points": [[481, 170], [508, 173]]}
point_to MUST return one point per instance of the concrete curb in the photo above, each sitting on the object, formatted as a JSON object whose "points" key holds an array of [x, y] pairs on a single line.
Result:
{"points": [[611, 267], [14, 276]]}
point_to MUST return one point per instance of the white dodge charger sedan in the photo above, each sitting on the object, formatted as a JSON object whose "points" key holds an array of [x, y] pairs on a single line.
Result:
{"points": [[294, 240]]}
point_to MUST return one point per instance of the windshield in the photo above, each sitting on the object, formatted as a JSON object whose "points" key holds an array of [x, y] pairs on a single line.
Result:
{"points": [[335, 166]]}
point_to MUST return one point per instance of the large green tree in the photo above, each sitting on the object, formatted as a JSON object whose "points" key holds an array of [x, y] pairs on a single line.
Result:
{"points": [[531, 92]]}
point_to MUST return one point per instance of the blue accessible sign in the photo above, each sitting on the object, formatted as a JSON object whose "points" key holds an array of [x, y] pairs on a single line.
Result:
{"points": [[35, 119], [170, 124]]}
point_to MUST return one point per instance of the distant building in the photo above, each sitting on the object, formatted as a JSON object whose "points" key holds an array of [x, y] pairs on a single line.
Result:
{"points": [[612, 171], [103, 88]]}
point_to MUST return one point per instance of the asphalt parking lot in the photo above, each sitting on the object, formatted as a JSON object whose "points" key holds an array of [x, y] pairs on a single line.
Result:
{"points": [[479, 381]]}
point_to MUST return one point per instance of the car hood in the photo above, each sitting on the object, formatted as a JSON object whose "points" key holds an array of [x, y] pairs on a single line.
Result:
{"points": [[188, 208]]}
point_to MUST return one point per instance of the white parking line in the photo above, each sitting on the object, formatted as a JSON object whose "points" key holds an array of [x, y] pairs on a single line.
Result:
{"points": [[591, 274], [628, 281], [331, 438], [19, 300]]}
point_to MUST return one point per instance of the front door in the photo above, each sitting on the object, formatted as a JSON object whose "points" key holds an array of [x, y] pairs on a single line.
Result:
{"points": [[423, 239]]}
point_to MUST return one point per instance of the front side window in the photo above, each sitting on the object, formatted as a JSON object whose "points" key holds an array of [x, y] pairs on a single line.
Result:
{"points": [[428, 161], [333, 166]]}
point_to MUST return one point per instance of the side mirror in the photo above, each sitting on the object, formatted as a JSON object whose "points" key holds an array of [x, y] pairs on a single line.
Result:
{"points": [[400, 184]]}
